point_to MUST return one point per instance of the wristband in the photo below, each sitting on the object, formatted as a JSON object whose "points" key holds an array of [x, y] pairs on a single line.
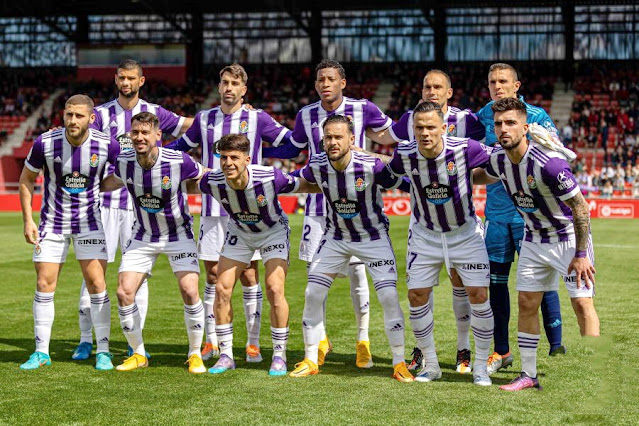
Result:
{"points": [[580, 254]]}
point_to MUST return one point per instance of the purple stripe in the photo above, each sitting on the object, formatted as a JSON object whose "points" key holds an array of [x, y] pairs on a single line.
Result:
{"points": [[331, 214], [59, 194], [361, 198], [147, 183], [93, 174], [343, 193], [256, 142], [315, 132], [241, 198], [258, 187], [129, 174], [166, 196], [421, 195], [44, 209], [227, 206], [76, 166], [454, 185], [144, 107], [485, 334], [113, 115], [128, 114], [439, 208]]}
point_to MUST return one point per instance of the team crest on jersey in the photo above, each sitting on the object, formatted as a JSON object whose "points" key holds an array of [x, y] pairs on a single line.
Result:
{"points": [[93, 162], [451, 168], [243, 126], [261, 200], [37, 249], [166, 182], [532, 183], [452, 130], [360, 184]]}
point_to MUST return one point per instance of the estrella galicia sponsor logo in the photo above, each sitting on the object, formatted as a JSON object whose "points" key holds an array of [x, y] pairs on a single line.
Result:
{"points": [[150, 203], [91, 242], [183, 256], [75, 182], [437, 193], [126, 143], [524, 202], [247, 218], [272, 247], [382, 262], [475, 266], [347, 209], [564, 181]]}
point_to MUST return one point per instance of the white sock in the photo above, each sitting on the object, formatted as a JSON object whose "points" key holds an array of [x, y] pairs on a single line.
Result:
{"points": [[43, 314], [142, 300], [421, 319], [393, 318], [528, 352], [483, 324], [101, 317], [225, 338], [130, 323], [461, 308], [360, 297], [194, 321], [312, 318], [84, 318], [252, 297], [209, 315], [279, 336]]}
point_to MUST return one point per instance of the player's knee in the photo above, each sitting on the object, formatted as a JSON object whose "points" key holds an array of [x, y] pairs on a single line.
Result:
{"points": [[529, 303], [418, 296], [275, 292], [388, 296], [314, 295], [477, 295], [584, 307], [125, 295]]}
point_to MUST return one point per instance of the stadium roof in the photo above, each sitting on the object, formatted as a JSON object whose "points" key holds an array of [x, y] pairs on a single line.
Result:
{"points": [[13, 8]]}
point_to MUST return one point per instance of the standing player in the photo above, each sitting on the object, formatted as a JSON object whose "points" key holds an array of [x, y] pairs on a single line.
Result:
{"points": [[74, 159], [248, 193], [114, 119], [557, 240], [355, 226], [444, 230], [368, 121], [208, 127], [156, 178], [462, 124], [505, 229]]}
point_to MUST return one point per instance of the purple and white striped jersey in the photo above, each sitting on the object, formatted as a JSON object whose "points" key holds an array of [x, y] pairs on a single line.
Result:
{"points": [[256, 208], [461, 124], [308, 132], [159, 194], [72, 177], [114, 120], [538, 186], [355, 204], [441, 188], [210, 125]]}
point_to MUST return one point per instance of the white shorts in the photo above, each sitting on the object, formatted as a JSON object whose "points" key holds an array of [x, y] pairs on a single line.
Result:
{"points": [[139, 256], [53, 248], [242, 246], [462, 249], [118, 225], [540, 265], [212, 236], [332, 256]]}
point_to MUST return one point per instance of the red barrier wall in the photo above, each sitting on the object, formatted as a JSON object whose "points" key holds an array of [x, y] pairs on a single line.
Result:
{"points": [[176, 74]]}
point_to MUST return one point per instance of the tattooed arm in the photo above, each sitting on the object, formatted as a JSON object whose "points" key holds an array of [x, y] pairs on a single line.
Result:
{"points": [[581, 221]]}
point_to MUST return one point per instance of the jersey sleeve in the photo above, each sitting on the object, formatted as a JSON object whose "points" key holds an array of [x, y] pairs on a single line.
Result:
{"points": [[478, 154], [170, 122], [557, 175], [97, 123], [35, 159], [285, 183], [474, 127], [190, 168], [115, 170], [298, 136], [192, 137], [396, 165], [271, 130], [204, 183], [490, 170], [286, 150], [384, 177], [375, 119], [307, 174], [114, 151], [399, 130]]}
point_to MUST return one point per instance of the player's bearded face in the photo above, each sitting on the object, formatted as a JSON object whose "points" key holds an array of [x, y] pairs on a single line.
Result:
{"points": [[510, 129], [145, 137], [436, 89], [232, 89], [129, 82], [234, 163], [337, 141], [502, 84], [329, 84], [77, 119], [429, 129]]}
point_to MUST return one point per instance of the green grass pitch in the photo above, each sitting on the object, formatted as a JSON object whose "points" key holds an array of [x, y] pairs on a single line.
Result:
{"points": [[595, 383]]}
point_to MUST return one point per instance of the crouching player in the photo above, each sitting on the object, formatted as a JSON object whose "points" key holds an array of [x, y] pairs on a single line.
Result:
{"points": [[248, 193], [355, 226], [156, 178]]}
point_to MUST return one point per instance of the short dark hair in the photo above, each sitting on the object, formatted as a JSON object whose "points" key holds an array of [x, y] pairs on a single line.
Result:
{"points": [[80, 100], [327, 63], [129, 64], [147, 117], [236, 70], [510, 104], [428, 106], [502, 66], [337, 119], [440, 72], [234, 142]]}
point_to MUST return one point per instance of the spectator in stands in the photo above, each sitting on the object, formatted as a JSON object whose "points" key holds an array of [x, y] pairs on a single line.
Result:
{"points": [[607, 190]]}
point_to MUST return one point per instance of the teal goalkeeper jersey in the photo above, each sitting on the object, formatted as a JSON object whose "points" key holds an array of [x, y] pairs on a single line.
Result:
{"points": [[499, 206]]}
